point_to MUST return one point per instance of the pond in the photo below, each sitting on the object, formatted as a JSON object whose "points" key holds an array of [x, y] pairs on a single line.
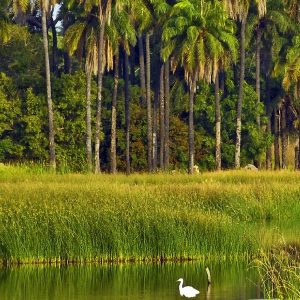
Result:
{"points": [[230, 281]]}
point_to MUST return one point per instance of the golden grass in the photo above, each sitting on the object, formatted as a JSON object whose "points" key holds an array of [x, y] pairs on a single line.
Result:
{"points": [[77, 217]]}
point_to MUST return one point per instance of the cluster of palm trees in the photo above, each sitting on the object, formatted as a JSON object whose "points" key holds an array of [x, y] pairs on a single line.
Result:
{"points": [[204, 38]]}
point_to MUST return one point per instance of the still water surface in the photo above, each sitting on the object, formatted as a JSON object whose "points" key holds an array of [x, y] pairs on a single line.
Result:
{"points": [[128, 281]]}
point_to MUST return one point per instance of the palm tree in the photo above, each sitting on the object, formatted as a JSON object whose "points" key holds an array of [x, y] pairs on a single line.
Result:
{"points": [[230, 53], [167, 115], [83, 35], [113, 139], [160, 13], [196, 37], [104, 12], [162, 116], [143, 19], [120, 33], [270, 26], [44, 6], [291, 77], [238, 9], [148, 100]]}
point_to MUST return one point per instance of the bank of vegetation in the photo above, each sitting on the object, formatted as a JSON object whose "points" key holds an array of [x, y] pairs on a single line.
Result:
{"points": [[80, 218], [279, 271], [150, 84]]}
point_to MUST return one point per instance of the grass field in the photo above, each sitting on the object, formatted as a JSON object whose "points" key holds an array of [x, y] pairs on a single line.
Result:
{"points": [[79, 217]]}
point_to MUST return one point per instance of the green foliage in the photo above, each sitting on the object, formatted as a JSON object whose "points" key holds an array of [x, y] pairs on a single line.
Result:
{"points": [[34, 136], [198, 35], [200, 38], [10, 108], [69, 101]]}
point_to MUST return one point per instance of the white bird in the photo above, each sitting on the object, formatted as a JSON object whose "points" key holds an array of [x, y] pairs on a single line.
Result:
{"points": [[187, 291]]}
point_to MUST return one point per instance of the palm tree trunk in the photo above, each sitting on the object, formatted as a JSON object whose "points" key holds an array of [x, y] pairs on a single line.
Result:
{"points": [[257, 73], [284, 135], [162, 117], [88, 119], [269, 149], [99, 96], [167, 114], [155, 126], [222, 77], [113, 140], [54, 45], [67, 59], [269, 124], [132, 65], [142, 68], [276, 139], [67, 63], [241, 94], [127, 113], [191, 129], [218, 124], [48, 86], [149, 106]]}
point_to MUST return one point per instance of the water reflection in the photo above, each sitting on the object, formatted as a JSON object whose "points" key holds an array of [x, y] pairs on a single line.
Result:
{"points": [[130, 281]]}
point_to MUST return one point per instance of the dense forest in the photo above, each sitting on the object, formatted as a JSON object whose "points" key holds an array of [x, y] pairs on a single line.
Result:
{"points": [[147, 85]]}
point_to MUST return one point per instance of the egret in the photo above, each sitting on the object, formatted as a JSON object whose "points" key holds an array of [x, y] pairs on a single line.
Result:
{"points": [[187, 291]]}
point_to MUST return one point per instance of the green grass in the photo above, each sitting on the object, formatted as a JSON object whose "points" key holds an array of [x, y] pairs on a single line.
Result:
{"points": [[72, 217], [279, 271]]}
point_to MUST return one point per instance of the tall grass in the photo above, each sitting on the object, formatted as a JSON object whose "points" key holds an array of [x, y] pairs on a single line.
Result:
{"points": [[279, 271], [64, 218]]}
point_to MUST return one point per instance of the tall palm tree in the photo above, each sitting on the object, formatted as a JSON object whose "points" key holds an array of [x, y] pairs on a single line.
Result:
{"points": [[149, 106], [194, 37], [159, 10], [162, 116], [167, 115], [291, 77], [82, 37], [120, 33], [142, 18], [104, 11], [271, 26], [230, 54], [238, 9], [44, 6]]}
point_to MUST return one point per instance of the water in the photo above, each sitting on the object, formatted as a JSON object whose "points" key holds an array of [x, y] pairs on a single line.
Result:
{"points": [[127, 281]]}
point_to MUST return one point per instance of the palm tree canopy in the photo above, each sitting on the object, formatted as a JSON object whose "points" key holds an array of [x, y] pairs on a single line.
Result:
{"points": [[121, 31], [292, 66], [199, 38], [24, 5], [83, 35], [239, 8]]}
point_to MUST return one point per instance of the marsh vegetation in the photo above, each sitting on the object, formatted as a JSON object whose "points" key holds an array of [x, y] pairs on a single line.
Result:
{"points": [[79, 218]]}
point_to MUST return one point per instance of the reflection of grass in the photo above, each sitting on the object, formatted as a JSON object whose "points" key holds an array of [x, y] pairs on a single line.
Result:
{"points": [[119, 281], [53, 218], [279, 271]]}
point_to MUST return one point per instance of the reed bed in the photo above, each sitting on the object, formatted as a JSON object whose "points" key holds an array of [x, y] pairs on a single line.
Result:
{"points": [[86, 218], [279, 271]]}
